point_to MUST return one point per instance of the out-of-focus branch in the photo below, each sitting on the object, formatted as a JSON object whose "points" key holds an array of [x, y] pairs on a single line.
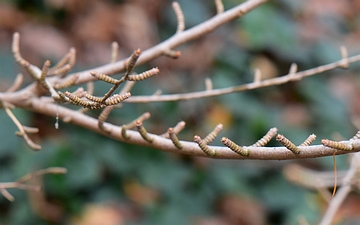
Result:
{"points": [[246, 87], [180, 38], [20, 183], [340, 196]]}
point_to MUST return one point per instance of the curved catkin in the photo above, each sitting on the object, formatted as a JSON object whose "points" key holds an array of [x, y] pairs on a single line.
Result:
{"points": [[309, 140], [174, 138], [203, 146], [337, 145], [67, 83], [266, 138], [115, 99], [142, 131], [213, 134], [144, 75], [287, 143], [130, 64], [236, 148], [104, 77]]}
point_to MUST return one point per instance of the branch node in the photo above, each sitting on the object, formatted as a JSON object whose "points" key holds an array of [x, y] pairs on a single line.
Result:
{"points": [[287, 143], [203, 146], [234, 147]]}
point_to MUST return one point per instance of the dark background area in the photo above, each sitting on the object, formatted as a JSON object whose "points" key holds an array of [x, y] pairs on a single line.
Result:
{"points": [[117, 183]]}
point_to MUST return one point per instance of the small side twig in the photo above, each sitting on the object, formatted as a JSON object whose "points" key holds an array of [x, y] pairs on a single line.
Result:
{"points": [[23, 133]]}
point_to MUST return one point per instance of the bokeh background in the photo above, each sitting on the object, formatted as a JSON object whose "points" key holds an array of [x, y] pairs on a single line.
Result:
{"points": [[115, 183]]}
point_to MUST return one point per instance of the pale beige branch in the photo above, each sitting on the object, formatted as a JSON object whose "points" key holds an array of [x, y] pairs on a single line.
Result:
{"points": [[245, 87]]}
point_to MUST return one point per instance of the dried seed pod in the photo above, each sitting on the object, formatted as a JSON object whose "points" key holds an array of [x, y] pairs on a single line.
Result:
{"points": [[236, 148], [287, 143], [104, 77], [174, 138], [143, 132], [309, 140], [203, 146], [144, 75], [115, 99], [266, 138], [337, 145], [213, 134]]}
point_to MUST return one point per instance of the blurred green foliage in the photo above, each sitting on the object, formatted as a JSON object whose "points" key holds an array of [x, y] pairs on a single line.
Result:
{"points": [[188, 189]]}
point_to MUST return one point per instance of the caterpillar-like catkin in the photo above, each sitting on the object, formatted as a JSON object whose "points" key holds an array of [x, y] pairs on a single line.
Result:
{"points": [[236, 148], [142, 131], [174, 138], [130, 64], [287, 143], [203, 146], [337, 145], [115, 99], [144, 75], [93, 98], [213, 134], [309, 140], [266, 138], [67, 83], [104, 77]]}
